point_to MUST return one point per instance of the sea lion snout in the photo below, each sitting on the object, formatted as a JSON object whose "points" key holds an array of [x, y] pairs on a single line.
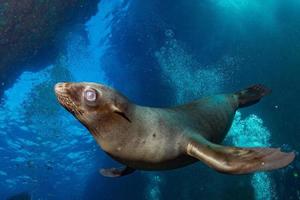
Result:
{"points": [[60, 88], [67, 95], [69, 90], [62, 91]]}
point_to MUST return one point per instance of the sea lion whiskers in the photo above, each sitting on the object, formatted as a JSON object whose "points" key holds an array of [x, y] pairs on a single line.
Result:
{"points": [[66, 101]]}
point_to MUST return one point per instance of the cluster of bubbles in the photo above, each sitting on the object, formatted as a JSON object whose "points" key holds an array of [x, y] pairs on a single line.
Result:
{"points": [[251, 132], [153, 190], [34, 148], [182, 70], [191, 80]]}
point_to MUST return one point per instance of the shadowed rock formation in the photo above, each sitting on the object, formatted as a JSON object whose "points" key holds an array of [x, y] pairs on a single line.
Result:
{"points": [[21, 196], [30, 31]]}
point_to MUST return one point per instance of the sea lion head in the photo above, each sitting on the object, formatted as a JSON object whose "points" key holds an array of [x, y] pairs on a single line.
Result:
{"points": [[94, 105]]}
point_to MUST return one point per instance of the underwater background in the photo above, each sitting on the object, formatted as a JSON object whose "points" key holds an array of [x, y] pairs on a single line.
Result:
{"points": [[157, 53]]}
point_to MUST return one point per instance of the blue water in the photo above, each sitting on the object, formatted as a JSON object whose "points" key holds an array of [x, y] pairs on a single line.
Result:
{"points": [[159, 53]]}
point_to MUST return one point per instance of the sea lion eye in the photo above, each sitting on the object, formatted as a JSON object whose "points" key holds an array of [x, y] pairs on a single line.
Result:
{"points": [[90, 95]]}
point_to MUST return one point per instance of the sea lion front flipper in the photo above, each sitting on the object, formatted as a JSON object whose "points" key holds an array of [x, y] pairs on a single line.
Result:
{"points": [[234, 160], [116, 172]]}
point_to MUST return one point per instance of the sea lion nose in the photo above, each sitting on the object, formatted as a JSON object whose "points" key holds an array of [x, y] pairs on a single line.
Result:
{"points": [[60, 88]]}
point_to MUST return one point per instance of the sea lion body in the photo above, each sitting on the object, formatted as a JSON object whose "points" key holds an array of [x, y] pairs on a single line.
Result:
{"points": [[148, 138], [155, 140]]}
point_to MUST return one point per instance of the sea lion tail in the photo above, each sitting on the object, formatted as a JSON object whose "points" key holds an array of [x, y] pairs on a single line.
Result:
{"points": [[234, 160], [252, 95]]}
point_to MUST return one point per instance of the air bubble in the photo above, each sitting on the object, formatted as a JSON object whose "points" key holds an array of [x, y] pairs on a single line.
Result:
{"points": [[169, 33]]}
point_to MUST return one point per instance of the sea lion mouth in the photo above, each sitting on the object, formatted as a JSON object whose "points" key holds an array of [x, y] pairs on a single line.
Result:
{"points": [[61, 91]]}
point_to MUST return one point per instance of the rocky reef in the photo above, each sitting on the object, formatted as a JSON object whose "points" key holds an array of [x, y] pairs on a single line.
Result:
{"points": [[31, 31]]}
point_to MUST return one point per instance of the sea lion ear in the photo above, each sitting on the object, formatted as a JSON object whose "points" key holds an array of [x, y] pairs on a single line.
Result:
{"points": [[234, 160], [118, 111]]}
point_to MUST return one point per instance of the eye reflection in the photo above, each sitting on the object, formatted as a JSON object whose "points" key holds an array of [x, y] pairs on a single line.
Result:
{"points": [[90, 95]]}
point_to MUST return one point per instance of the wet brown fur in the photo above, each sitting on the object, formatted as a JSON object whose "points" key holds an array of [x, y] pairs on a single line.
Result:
{"points": [[155, 138]]}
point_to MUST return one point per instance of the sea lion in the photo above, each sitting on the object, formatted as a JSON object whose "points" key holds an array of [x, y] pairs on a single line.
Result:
{"points": [[147, 138]]}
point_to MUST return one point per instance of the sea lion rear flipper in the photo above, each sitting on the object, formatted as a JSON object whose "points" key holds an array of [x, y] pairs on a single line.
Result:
{"points": [[116, 172], [252, 95], [234, 160]]}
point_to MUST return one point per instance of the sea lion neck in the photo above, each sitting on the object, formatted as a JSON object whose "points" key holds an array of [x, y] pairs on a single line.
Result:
{"points": [[106, 124], [112, 129]]}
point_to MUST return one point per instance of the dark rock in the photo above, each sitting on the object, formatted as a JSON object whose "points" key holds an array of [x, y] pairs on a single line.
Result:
{"points": [[20, 196], [29, 31]]}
